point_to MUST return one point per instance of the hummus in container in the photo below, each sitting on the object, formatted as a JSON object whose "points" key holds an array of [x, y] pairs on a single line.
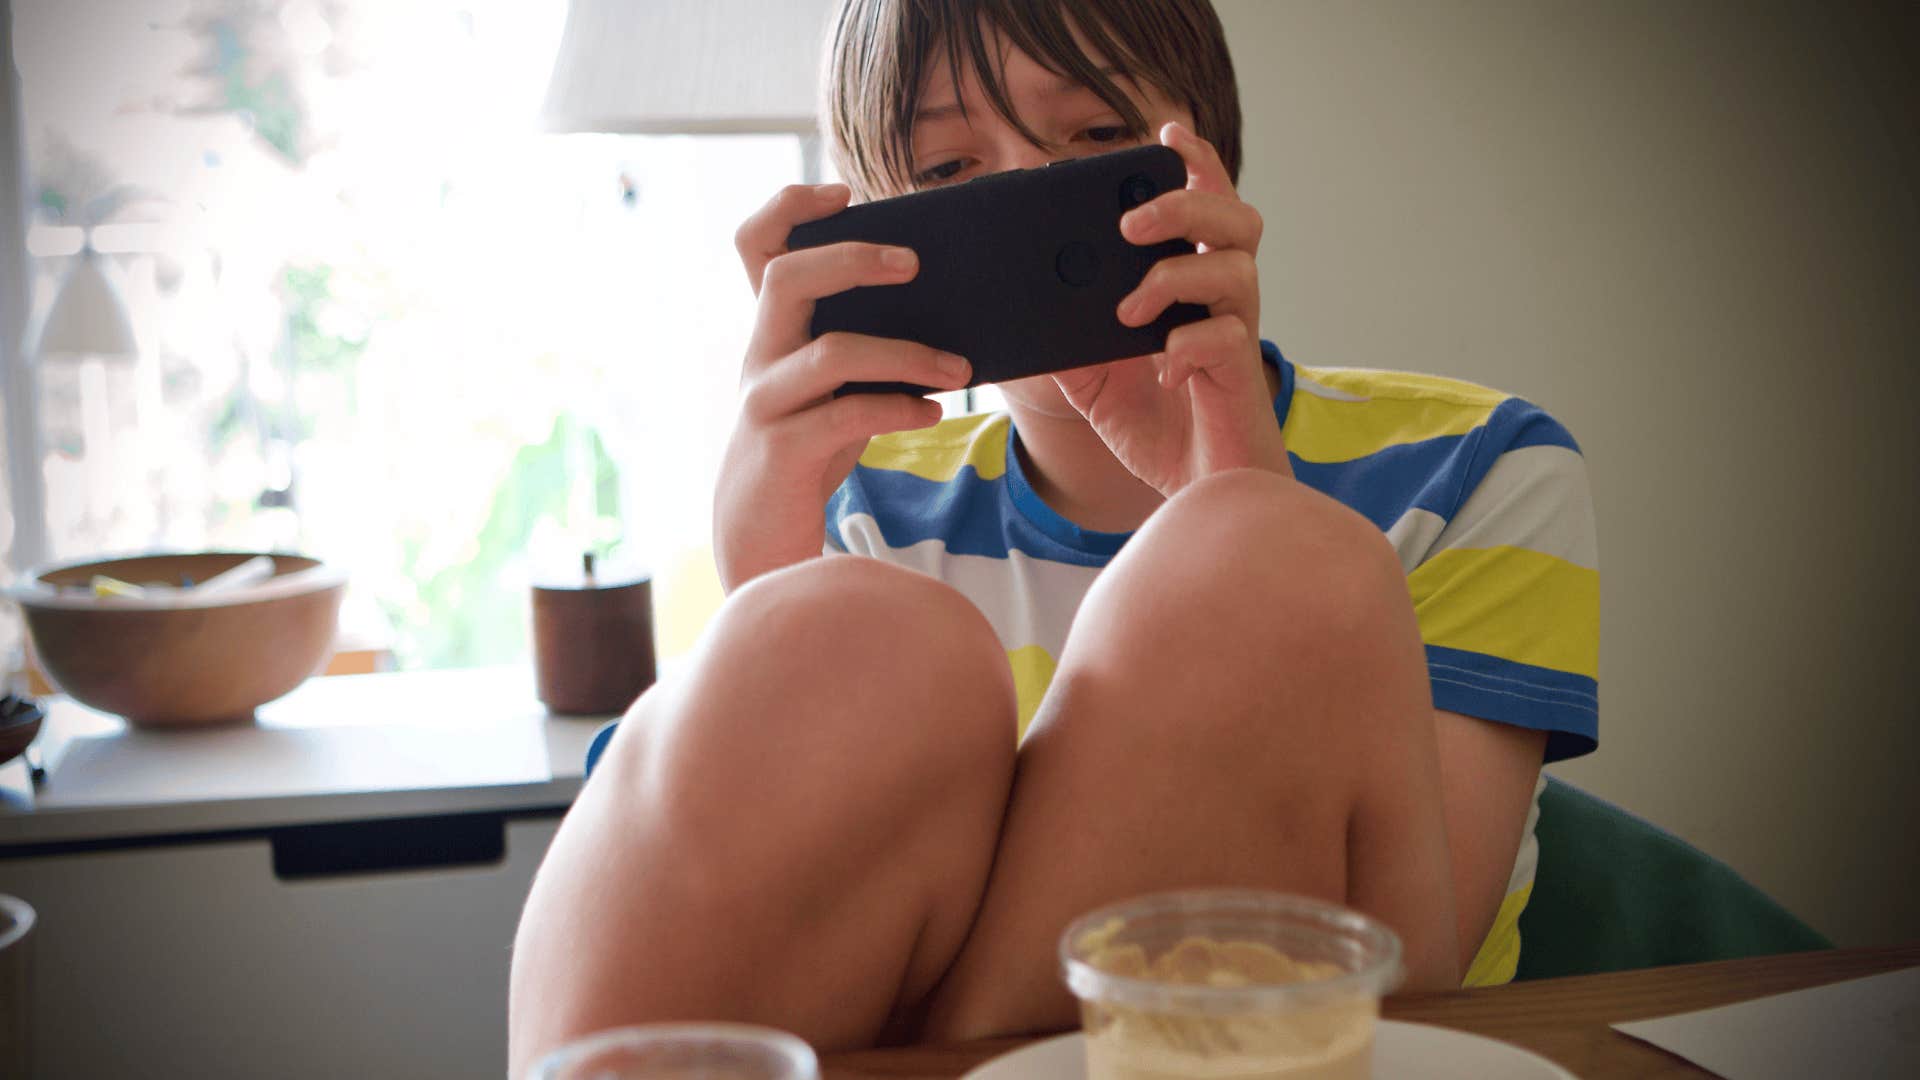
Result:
{"points": [[1229, 984]]}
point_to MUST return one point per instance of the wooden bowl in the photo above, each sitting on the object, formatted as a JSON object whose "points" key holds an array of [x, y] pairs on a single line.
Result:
{"points": [[15, 736], [184, 657]]}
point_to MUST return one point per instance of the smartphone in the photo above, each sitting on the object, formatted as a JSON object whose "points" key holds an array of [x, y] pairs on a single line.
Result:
{"points": [[1020, 272]]}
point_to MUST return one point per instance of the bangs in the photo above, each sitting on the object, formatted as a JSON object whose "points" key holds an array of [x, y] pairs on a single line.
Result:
{"points": [[883, 50], [1043, 33]]}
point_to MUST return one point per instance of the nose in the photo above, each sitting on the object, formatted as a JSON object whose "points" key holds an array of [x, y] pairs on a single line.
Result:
{"points": [[1017, 153]]}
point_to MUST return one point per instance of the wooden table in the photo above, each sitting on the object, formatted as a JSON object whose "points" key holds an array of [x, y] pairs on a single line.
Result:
{"points": [[1561, 1019]]}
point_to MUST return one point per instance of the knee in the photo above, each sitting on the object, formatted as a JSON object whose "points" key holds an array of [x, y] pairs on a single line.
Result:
{"points": [[855, 625], [1270, 614], [846, 666], [1255, 555]]}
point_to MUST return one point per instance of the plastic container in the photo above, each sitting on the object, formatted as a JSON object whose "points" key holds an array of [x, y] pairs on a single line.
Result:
{"points": [[1229, 983], [682, 1052]]}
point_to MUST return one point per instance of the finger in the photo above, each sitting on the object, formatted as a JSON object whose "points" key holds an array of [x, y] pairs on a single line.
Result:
{"points": [[1205, 171], [795, 279], [1212, 221], [1224, 281], [829, 361], [850, 420], [764, 235], [1222, 346]]}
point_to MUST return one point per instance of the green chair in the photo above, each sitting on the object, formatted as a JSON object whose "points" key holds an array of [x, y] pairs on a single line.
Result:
{"points": [[1614, 892]]}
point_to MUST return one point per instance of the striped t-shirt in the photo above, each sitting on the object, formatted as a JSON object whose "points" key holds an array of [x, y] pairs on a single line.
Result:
{"points": [[1483, 495]]}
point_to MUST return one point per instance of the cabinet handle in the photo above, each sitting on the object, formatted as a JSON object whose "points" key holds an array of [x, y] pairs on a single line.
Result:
{"points": [[305, 852]]}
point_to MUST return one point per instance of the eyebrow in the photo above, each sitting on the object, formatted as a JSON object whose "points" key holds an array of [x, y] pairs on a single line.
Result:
{"points": [[1060, 86]]}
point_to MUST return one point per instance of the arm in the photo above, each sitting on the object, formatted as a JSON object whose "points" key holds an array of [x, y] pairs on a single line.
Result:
{"points": [[1487, 775], [1509, 606]]}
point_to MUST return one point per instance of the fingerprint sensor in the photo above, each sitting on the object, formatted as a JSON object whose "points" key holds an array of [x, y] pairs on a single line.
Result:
{"points": [[1077, 264], [1137, 189]]}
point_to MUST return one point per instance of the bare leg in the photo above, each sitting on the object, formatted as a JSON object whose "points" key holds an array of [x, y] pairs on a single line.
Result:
{"points": [[797, 832], [1243, 701]]}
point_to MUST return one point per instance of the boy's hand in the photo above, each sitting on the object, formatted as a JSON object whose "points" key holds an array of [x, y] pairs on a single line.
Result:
{"points": [[793, 442], [1203, 405]]}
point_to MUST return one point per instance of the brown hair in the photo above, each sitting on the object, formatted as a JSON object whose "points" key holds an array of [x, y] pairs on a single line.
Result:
{"points": [[881, 50]]}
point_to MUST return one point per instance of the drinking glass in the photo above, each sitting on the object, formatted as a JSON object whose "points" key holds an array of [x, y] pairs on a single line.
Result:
{"points": [[682, 1052]]}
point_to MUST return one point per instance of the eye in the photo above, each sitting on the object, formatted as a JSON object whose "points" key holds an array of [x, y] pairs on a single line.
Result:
{"points": [[946, 170], [1107, 133]]}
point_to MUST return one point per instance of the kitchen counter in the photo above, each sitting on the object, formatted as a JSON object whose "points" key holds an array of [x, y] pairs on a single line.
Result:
{"points": [[353, 746]]}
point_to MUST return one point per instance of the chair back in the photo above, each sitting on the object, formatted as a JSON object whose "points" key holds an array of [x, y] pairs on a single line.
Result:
{"points": [[1614, 892]]}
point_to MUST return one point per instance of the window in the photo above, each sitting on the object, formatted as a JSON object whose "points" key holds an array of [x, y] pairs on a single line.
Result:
{"points": [[381, 318]]}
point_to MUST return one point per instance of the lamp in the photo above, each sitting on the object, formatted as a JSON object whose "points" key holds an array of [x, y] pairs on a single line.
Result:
{"points": [[88, 318], [687, 67]]}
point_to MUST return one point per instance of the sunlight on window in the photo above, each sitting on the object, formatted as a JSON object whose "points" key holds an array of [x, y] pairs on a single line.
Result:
{"points": [[383, 320]]}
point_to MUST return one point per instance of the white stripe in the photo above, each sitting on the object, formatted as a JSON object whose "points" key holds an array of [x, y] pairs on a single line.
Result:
{"points": [[1322, 390], [1413, 536], [1536, 498], [1527, 859], [1535, 698], [1028, 601], [1480, 678]]}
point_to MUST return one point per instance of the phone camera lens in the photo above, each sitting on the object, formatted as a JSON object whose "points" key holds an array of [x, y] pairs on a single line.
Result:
{"points": [[1137, 189]]}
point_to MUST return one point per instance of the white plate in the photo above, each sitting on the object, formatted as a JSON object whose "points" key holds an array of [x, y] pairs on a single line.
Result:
{"points": [[1399, 1050]]}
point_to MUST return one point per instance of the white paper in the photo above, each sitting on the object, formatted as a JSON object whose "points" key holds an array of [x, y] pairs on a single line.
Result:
{"points": [[1863, 1028]]}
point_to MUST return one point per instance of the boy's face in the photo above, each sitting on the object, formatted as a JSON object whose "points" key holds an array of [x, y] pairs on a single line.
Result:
{"points": [[949, 147]]}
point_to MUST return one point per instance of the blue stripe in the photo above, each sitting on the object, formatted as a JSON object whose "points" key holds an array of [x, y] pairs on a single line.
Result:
{"points": [[848, 498], [1100, 547], [1562, 704], [1429, 474], [1517, 424], [1283, 400]]}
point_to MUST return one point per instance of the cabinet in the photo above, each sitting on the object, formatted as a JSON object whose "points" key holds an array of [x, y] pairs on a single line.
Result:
{"points": [[329, 892]]}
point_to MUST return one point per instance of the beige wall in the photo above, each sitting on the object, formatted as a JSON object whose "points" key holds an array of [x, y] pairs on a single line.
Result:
{"points": [[1691, 232]]}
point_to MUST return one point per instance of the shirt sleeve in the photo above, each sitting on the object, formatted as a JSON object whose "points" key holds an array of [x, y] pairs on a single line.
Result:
{"points": [[1508, 595], [848, 499]]}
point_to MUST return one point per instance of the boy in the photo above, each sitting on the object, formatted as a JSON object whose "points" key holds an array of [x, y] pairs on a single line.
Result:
{"points": [[1352, 615]]}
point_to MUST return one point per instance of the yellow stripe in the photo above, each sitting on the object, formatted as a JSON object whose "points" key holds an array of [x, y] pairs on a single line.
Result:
{"points": [[1499, 955], [1032, 671], [938, 453], [1408, 384], [1511, 603], [1399, 409]]}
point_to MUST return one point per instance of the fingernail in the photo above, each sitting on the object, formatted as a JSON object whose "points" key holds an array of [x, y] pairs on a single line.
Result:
{"points": [[952, 366], [824, 190], [899, 259], [1128, 307], [1142, 218]]}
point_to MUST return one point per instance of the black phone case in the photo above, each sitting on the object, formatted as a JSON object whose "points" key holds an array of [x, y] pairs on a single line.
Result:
{"points": [[1020, 272]]}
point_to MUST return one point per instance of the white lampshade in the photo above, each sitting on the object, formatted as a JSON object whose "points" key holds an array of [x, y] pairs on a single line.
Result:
{"points": [[88, 317], [687, 66]]}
